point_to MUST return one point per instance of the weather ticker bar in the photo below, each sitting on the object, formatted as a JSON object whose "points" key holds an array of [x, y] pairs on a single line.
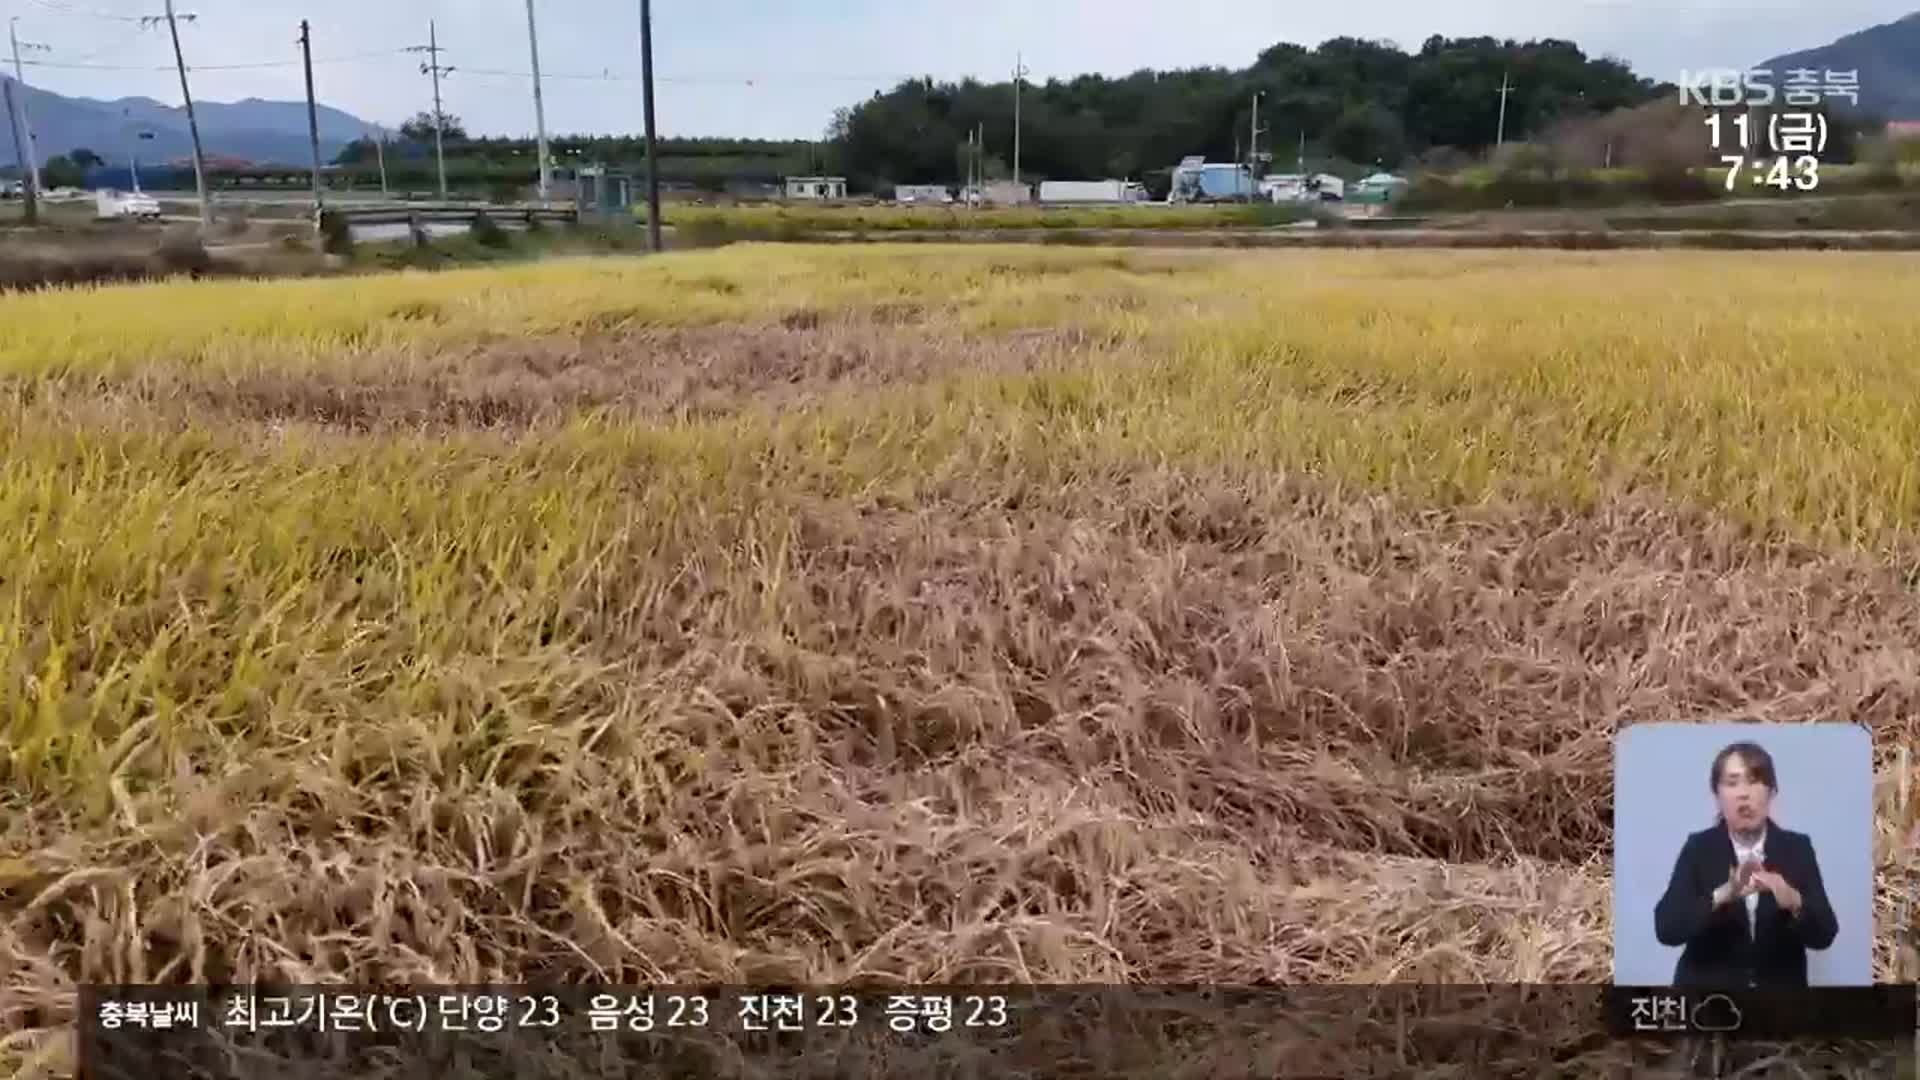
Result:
{"points": [[1764, 1015], [276, 1033]]}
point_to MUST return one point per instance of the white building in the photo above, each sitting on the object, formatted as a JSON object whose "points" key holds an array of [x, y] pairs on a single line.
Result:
{"points": [[816, 187]]}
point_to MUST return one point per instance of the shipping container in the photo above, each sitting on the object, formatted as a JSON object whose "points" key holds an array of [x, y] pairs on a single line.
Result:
{"points": [[1082, 192]]}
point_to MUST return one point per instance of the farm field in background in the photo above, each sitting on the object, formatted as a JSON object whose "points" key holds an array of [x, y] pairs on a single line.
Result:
{"points": [[791, 613], [934, 218]]}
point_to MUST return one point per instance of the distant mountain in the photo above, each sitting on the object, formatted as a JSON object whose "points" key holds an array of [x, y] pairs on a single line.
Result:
{"points": [[1887, 58], [266, 132]]}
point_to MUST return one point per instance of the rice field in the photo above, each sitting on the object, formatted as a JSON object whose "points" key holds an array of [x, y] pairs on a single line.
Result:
{"points": [[913, 613]]}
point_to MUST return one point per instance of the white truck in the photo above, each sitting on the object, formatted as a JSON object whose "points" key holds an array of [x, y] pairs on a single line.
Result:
{"points": [[1090, 192], [922, 193], [1330, 187], [997, 193], [1295, 187]]}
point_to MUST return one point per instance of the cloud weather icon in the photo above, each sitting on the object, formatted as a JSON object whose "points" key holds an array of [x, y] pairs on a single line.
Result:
{"points": [[1716, 1012]]}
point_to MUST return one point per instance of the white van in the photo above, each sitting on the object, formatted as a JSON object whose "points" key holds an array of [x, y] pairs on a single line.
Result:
{"points": [[127, 204]]}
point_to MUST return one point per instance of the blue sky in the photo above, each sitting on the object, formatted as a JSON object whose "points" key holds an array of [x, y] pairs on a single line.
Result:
{"points": [[777, 69]]}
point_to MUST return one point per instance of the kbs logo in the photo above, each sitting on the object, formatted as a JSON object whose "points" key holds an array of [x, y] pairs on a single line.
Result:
{"points": [[1756, 87], [1725, 86]]}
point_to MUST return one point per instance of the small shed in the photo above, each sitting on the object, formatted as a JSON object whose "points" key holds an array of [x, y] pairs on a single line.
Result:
{"points": [[816, 187], [603, 190]]}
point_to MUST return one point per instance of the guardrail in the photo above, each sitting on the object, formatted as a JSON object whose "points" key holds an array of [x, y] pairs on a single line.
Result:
{"points": [[445, 215]]}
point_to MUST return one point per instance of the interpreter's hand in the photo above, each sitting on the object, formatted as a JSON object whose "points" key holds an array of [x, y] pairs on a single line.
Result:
{"points": [[1784, 894], [1739, 884]]}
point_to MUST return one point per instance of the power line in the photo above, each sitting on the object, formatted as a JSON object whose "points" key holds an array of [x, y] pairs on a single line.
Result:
{"points": [[605, 75], [57, 7], [114, 47], [350, 59], [353, 59], [609, 75]]}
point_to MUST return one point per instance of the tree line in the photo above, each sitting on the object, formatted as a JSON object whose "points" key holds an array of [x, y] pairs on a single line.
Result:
{"points": [[1348, 104], [702, 161], [1363, 102], [1356, 101]]}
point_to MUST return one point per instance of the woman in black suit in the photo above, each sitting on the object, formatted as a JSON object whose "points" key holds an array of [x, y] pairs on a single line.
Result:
{"points": [[1746, 898]]}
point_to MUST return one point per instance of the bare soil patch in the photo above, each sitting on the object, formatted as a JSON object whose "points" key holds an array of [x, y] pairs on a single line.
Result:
{"points": [[677, 372]]}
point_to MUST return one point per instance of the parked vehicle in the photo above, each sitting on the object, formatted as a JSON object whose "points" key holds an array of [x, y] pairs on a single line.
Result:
{"points": [[997, 193], [1090, 192], [1379, 188], [1196, 180], [1294, 187], [1284, 187], [127, 204], [922, 193]]}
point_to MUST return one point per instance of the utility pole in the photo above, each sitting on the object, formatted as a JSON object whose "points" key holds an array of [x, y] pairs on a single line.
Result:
{"points": [[1500, 138], [1019, 75], [966, 183], [1254, 131], [646, 97], [133, 162], [172, 20], [380, 154], [313, 118], [133, 147], [32, 167], [432, 67], [31, 202], [1300, 161], [980, 154], [539, 107], [975, 193]]}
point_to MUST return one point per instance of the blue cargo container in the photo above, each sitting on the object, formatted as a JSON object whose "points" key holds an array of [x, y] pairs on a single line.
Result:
{"points": [[1199, 181]]}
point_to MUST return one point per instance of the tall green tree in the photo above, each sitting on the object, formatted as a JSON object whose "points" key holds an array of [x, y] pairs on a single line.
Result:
{"points": [[420, 128], [59, 171]]}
